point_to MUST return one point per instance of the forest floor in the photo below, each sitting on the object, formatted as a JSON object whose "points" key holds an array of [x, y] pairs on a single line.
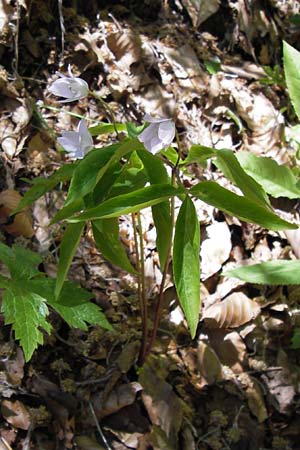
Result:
{"points": [[217, 71]]}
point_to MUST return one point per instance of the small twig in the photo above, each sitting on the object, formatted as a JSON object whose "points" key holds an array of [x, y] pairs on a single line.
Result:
{"points": [[105, 442], [143, 293]]}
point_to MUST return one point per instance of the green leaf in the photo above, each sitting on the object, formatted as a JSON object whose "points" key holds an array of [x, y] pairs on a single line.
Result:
{"points": [[241, 207], [26, 312], [186, 265], [277, 180], [230, 166], [106, 235], [272, 272], [68, 211], [132, 177], [106, 128], [42, 185], [80, 315], [161, 213], [67, 249], [199, 154], [22, 263], [94, 165], [128, 203], [291, 63]]}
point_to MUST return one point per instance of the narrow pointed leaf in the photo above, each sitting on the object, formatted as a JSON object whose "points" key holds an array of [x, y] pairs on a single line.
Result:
{"points": [[157, 174], [42, 185], [186, 266], [277, 180], [67, 249], [106, 128], [230, 166], [273, 272], [199, 154], [241, 207], [106, 235], [128, 203], [291, 63]]}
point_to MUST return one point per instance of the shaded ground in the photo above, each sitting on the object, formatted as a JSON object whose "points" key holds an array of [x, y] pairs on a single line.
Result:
{"points": [[236, 386]]}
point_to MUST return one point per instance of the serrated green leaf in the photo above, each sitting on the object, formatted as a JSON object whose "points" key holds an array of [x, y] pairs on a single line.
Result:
{"points": [[291, 64], [186, 266], [67, 249], [273, 272], [128, 203], [241, 207], [230, 166], [21, 262], [157, 173], [42, 185], [80, 316], [277, 180], [106, 235], [26, 312]]}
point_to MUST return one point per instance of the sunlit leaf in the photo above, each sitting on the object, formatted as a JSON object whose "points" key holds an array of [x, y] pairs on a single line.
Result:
{"points": [[128, 203], [272, 272], [291, 63], [277, 180], [241, 207]]}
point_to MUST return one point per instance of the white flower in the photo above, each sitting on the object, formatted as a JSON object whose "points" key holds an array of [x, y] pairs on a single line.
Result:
{"points": [[69, 87], [158, 135], [77, 143]]}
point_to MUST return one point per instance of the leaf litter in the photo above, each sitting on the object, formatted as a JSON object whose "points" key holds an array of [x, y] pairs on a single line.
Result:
{"points": [[240, 373]]}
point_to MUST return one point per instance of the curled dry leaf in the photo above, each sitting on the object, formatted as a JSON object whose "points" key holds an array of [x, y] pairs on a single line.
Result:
{"points": [[232, 312], [126, 48], [21, 223], [254, 396]]}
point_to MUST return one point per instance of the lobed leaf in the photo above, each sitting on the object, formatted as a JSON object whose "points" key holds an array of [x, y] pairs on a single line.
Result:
{"points": [[26, 311]]}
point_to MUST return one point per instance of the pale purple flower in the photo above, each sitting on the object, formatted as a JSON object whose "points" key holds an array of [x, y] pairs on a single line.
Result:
{"points": [[69, 87], [158, 135], [77, 143]]}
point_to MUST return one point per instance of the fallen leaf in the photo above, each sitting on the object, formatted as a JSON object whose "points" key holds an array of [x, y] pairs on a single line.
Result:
{"points": [[209, 363], [232, 312], [21, 223], [200, 10]]}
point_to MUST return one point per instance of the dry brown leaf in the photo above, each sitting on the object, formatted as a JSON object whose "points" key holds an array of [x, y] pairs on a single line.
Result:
{"points": [[16, 414], [21, 223], [200, 10], [234, 311], [120, 397], [209, 363]]}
